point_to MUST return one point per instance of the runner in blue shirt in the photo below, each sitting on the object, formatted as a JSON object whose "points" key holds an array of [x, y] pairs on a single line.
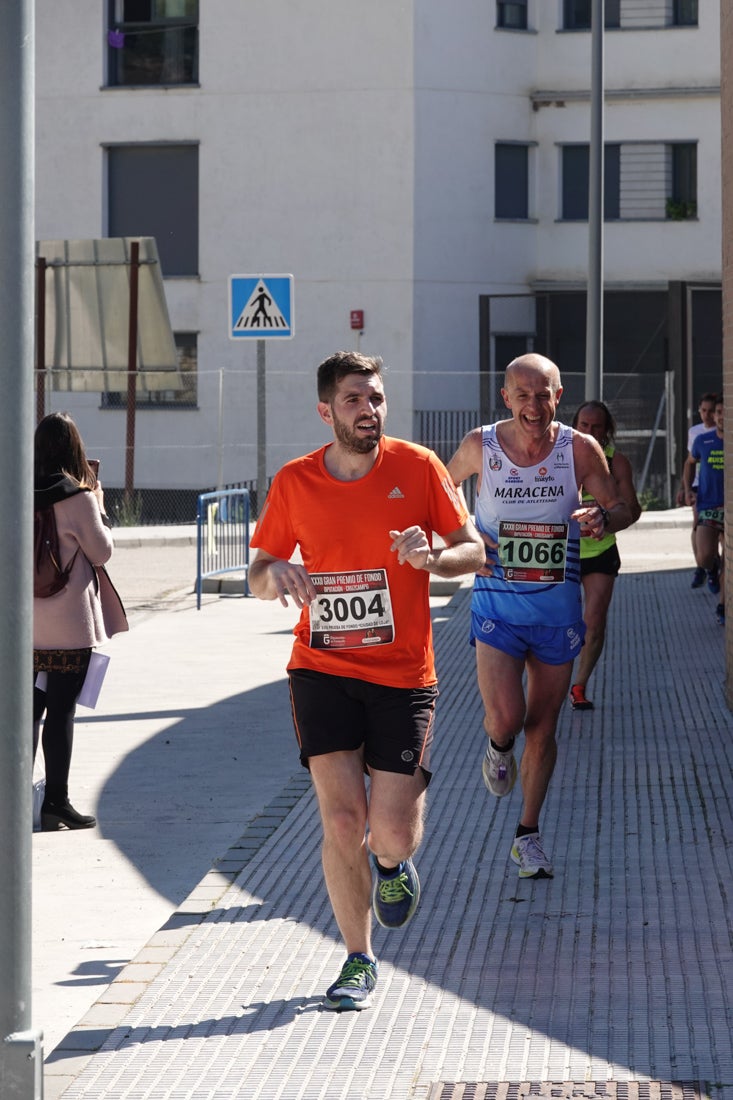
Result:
{"points": [[707, 450]]}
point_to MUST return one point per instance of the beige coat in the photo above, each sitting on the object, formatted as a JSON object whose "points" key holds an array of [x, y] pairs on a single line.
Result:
{"points": [[74, 618]]}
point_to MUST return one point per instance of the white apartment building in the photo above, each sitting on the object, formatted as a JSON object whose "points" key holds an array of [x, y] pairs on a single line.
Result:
{"points": [[417, 160]]}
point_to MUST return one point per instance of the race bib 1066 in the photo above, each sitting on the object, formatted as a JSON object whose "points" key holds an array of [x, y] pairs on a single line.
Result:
{"points": [[533, 552], [351, 610], [712, 517]]}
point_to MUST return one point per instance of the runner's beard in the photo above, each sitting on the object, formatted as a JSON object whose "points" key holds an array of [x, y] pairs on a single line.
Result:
{"points": [[352, 440]]}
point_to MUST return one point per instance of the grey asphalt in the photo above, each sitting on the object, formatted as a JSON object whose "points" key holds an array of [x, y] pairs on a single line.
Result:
{"points": [[182, 948]]}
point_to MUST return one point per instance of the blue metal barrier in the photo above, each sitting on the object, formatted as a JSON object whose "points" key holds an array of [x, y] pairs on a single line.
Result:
{"points": [[222, 536]]}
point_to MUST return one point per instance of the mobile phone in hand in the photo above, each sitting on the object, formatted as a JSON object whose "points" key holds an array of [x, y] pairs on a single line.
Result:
{"points": [[94, 466]]}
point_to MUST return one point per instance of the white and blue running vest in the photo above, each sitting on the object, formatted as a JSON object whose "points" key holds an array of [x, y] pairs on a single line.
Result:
{"points": [[543, 494]]}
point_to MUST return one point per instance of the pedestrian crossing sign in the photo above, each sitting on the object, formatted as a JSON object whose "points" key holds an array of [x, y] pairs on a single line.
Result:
{"points": [[261, 307]]}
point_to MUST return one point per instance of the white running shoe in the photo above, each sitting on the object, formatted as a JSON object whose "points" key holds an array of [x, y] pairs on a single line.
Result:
{"points": [[527, 851], [499, 770]]}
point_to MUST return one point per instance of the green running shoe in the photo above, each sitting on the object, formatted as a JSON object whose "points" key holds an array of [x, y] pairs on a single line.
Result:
{"points": [[395, 896], [352, 990]]}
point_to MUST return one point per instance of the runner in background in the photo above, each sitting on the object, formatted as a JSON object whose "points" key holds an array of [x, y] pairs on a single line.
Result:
{"points": [[706, 411], [599, 558], [708, 457]]}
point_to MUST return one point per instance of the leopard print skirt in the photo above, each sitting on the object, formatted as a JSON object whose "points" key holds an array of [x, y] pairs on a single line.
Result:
{"points": [[60, 660]]}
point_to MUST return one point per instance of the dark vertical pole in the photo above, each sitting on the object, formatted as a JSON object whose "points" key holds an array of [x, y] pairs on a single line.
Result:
{"points": [[261, 427], [40, 339], [676, 362], [487, 372], [132, 371], [594, 307], [21, 1055]]}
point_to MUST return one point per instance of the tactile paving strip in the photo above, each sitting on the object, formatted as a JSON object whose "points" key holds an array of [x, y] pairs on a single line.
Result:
{"points": [[617, 970], [570, 1090]]}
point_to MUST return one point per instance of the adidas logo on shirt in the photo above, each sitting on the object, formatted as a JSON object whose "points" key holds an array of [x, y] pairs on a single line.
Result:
{"points": [[396, 494]]}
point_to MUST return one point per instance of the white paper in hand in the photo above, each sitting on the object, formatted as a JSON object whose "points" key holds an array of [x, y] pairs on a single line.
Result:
{"points": [[93, 681]]}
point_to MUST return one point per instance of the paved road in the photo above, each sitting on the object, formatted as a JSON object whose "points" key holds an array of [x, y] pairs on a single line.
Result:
{"points": [[189, 765]]}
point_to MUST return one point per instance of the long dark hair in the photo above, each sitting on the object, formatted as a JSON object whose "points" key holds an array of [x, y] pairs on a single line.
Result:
{"points": [[59, 449]]}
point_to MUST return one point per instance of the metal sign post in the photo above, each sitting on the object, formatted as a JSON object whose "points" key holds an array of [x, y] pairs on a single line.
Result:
{"points": [[21, 1054], [261, 308], [261, 427], [131, 373]]}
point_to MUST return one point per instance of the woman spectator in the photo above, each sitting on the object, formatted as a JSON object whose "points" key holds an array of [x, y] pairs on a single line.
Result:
{"points": [[83, 615]]}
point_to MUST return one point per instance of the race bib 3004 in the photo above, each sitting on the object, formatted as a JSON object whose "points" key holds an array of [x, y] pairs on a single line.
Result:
{"points": [[351, 610]]}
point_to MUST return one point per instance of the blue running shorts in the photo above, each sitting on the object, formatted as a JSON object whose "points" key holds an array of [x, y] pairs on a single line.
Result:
{"points": [[553, 645]]}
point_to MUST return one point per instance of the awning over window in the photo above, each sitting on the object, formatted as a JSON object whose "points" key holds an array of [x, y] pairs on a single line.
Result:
{"points": [[87, 317]]}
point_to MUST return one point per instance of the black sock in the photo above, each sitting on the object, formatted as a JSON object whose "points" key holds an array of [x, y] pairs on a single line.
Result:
{"points": [[503, 748], [387, 871], [526, 830]]}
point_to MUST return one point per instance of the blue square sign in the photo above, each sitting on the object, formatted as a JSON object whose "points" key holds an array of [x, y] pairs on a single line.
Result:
{"points": [[261, 307]]}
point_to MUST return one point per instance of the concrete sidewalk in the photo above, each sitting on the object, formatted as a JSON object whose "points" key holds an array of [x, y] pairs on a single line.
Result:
{"points": [[182, 948]]}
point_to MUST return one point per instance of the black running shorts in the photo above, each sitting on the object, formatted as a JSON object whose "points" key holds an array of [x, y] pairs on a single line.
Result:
{"points": [[338, 713], [608, 563]]}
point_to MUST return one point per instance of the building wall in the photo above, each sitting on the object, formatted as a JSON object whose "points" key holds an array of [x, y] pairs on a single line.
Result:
{"points": [[305, 130], [726, 100], [472, 85], [356, 151], [661, 86]]}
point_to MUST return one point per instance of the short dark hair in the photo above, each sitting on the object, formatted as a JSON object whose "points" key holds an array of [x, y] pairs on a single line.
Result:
{"points": [[610, 425], [341, 363], [714, 397]]}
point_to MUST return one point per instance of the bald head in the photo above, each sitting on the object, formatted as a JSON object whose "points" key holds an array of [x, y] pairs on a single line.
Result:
{"points": [[531, 363], [532, 390]]}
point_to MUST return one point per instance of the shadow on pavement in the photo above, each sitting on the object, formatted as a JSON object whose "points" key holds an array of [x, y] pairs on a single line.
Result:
{"points": [[624, 956]]}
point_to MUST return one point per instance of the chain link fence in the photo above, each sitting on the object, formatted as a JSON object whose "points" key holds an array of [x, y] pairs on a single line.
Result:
{"points": [[642, 406], [176, 444]]}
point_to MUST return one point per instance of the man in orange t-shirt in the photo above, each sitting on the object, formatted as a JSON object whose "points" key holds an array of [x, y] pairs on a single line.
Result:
{"points": [[362, 511]]}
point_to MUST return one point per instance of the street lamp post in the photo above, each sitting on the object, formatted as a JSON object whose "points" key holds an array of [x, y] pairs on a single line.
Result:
{"points": [[21, 1061], [594, 306]]}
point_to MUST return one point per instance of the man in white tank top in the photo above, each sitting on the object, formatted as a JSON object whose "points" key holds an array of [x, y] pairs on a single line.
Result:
{"points": [[526, 610]]}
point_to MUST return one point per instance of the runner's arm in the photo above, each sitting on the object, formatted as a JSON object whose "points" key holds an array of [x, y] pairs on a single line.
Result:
{"points": [[467, 461], [467, 458], [624, 478], [463, 552], [609, 512], [688, 476], [272, 578]]}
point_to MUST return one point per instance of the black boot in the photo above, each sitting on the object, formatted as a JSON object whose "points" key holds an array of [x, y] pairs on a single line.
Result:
{"points": [[60, 814]]}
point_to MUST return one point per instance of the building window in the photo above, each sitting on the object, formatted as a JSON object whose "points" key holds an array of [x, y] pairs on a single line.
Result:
{"points": [[682, 202], [684, 13], [153, 192], [185, 397], [511, 180], [577, 14], [152, 42], [575, 172], [512, 15], [643, 181], [508, 346]]}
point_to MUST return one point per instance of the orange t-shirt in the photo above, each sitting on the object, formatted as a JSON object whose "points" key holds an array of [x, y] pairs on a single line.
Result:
{"points": [[371, 620]]}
